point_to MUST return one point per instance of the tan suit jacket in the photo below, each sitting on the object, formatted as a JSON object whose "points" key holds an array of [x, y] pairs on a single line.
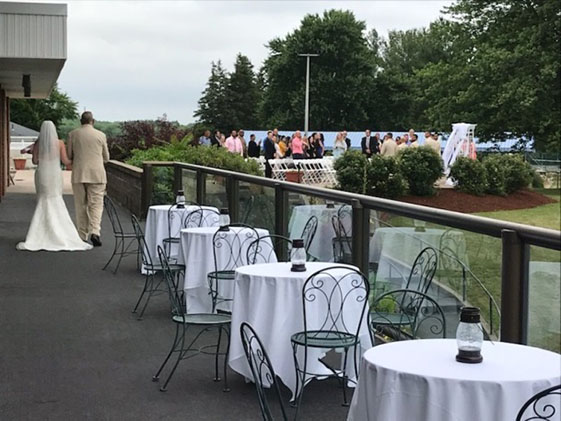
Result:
{"points": [[389, 148], [433, 144], [87, 148]]}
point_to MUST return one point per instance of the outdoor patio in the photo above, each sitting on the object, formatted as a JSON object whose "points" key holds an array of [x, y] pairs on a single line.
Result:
{"points": [[71, 349]]}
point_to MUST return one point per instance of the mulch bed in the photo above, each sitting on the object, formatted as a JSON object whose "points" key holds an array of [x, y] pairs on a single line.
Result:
{"points": [[454, 200]]}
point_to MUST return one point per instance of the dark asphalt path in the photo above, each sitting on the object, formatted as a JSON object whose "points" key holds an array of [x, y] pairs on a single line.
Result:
{"points": [[70, 349]]}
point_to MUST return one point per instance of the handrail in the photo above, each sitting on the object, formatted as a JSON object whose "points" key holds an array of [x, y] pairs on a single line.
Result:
{"points": [[536, 236]]}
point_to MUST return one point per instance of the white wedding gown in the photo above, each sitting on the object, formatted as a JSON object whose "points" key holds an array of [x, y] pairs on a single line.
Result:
{"points": [[51, 228]]}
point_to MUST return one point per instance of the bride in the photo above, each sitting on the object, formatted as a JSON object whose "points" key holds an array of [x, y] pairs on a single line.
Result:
{"points": [[51, 227]]}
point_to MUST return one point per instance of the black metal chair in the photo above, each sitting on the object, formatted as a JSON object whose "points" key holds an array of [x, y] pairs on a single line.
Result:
{"points": [[175, 220], [264, 248], [210, 218], [309, 232], [419, 280], [204, 322], [153, 271], [332, 290], [123, 240], [342, 243], [193, 218], [542, 406], [229, 252], [406, 314], [263, 373]]}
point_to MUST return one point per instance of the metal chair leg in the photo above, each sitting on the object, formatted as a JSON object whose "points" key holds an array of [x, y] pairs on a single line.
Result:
{"points": [[113, 255], [226, 388], [121, 254], [156, 377], [147, 277], [345, 378], [149, 290], [216, 378], [179, 357]]}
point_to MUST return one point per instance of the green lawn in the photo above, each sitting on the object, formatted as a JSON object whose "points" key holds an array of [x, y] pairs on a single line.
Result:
{"points": [[546, 216]]}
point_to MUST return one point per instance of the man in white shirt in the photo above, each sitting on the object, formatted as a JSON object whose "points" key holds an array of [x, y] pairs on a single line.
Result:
{"points": [[234, 144]]}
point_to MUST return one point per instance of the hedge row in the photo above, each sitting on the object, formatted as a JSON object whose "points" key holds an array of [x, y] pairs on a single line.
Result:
{"points": [[414, 170], [496, 174]]}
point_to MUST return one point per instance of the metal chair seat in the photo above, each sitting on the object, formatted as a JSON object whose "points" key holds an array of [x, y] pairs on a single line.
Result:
{"points": [[174, 267], [325, 339], [203, 319], [395, 319], [223, 275]]}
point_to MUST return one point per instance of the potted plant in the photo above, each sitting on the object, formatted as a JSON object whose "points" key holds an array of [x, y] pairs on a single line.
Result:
{"points": [[19, 163], [294, 176]]}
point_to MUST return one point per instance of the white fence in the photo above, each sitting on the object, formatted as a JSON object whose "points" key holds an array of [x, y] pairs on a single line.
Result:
{"points": [[318, 172]]}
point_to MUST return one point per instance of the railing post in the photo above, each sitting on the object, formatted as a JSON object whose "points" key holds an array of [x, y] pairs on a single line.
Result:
{"points": [[147, 187], [201, 187], [514, 291], [233, 196], [361, 229], [281, 217], [177, 179]]}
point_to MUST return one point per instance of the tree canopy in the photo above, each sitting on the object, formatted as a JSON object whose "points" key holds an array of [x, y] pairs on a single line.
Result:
{"points": [[495, 64], [32, 112]]}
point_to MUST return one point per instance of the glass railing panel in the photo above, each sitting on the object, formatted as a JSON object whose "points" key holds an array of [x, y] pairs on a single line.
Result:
{"points": [[257, 206], [162, 186], [189, 180], [215, 191], [467, 271], [544, 302], [329, 232]]}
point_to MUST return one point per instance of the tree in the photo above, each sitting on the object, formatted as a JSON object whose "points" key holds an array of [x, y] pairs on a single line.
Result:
{"points": [[213, 108], [32, 112], [243, 95], [505, 74], [341, 77]]}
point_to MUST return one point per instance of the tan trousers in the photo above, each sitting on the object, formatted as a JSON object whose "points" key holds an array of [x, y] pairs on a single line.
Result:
{"points": [[88, 202]]}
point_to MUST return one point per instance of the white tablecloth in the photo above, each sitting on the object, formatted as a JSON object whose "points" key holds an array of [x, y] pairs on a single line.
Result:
{"points": [[421, 380], [395, 249], [157, 224], [196, 251], [269, 297], [322, 244]]}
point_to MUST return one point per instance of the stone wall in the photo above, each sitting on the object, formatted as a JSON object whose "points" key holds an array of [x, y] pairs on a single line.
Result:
{"points": [[124, 185]]}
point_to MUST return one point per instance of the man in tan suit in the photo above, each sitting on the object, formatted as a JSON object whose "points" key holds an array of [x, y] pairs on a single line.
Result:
{"points": [[389, 147], [87, 148]]}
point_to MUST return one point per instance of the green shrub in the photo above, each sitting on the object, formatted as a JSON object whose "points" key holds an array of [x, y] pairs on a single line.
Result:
{"points": [[469, 175], [537, 180], [383, 178], [351, 170], [181, 151], [518, 173], [495, 174], [421, 167]]}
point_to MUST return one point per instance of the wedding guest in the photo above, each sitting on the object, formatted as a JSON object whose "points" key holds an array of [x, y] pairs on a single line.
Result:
{"points": [[233, 143], [242, 140], [347, 140], [283, 147], [339, 146], [433, 143], [377, 144], [402, 144], [269, 152], [368, 144], [297, 146], [204, 140], [411, 133], [319, 146], [278, 153], [414, 143], [253, 148], [389, 147], [405, 138], [215, 140]]}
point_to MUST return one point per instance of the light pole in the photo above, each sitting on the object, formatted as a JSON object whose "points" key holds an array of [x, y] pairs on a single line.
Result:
{"points": [[307, 105]]}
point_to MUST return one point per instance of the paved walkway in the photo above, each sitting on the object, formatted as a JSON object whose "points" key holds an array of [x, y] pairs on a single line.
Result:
{"points": [[71, 350]]}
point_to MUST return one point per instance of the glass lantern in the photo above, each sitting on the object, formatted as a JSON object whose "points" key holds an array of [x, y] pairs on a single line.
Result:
{"points": [[469, 336], [298, 256], [180, 199], [329, 204], [224, 219]]}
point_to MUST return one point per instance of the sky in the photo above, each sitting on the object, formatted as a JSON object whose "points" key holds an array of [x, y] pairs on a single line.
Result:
{"points": [[132, 60]]}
